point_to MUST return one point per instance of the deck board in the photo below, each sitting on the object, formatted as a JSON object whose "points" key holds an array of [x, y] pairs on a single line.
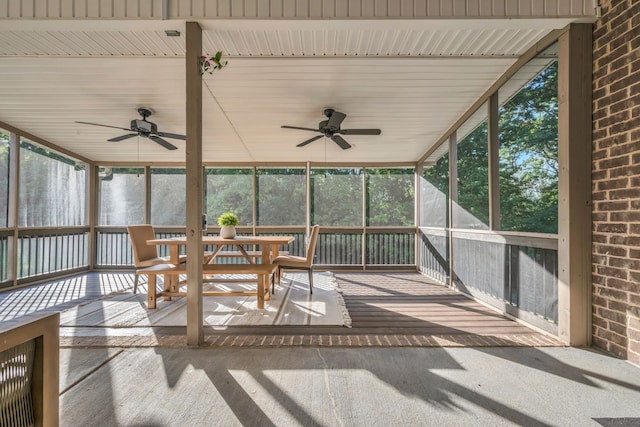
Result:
{"points": [[385, 308]]}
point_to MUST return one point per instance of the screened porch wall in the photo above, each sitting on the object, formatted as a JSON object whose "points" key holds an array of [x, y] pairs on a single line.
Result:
{"points": [[515, 274], [337, 248]]}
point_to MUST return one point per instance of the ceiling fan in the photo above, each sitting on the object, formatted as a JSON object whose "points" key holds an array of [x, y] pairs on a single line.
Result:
{"points": [[331, 129], [145, 129]]}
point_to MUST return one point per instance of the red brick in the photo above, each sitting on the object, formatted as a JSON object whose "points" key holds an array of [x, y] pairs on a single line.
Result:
{"points": [[612, 294], [613, 183], [599, 216], [612, 228], [612, 98], [622, 149], [620, 283], [626, 125], [618, 329], [620, 251], [614, 162], [619, 205], [630, 193], [599, 238], [624, 171], [599, 175], [610, 57], [611, 119], [634, 323], [634, 276], [598, 301], [628, 216], [634, 335]]}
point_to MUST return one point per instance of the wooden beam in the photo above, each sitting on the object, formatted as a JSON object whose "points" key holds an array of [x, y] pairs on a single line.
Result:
{"points": [[494, 157], [12, 208], [574, 186], [45, 143], [92, 210], [195, 335], [453, 201]]}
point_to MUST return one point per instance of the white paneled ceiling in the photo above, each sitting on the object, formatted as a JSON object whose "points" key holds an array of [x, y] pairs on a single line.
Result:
{"points": [[411, 79]]}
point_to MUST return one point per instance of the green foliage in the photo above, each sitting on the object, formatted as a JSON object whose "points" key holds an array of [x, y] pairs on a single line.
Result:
{"points": [[336, 196], [529, 156], [228, 218], [390, 197], [528, 164], [229, 190], [281, 194], [212, 63], [473, 179]]}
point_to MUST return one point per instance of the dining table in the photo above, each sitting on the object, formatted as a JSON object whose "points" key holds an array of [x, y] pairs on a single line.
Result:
{"points": [[269, 246]]}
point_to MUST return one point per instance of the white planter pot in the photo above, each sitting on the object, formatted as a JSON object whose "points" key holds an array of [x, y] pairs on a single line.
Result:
{"points": [[228, 232]]}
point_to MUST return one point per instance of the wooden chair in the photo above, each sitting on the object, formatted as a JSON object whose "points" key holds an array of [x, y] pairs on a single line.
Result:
{"points": [[145, 255], [292, 262]]}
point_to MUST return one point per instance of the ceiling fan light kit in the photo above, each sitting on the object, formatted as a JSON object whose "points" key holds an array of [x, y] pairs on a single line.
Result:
{"points": [[145, 129], [331, 129]]}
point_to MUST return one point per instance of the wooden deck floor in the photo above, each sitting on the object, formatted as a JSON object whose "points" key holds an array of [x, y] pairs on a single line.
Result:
{"points": [[387, 309]]}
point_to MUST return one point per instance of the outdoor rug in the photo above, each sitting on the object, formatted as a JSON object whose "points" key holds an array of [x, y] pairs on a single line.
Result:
{"points": [[292, 304]]}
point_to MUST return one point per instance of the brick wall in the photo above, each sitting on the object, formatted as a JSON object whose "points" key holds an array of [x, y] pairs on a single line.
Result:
{"points": [[616, 179]]}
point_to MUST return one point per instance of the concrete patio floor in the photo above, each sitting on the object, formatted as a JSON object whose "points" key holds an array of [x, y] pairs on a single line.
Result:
{"points": [[306, 386], [437, 359]]}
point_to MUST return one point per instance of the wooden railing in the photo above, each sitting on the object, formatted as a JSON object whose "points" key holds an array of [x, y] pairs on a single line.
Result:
{"points": [[514, 272], [336, 247]]}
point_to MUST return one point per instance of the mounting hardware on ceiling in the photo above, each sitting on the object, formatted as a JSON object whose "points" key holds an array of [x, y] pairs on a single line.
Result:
{"points": [[145, 129], [331, 129], [172, 33]]}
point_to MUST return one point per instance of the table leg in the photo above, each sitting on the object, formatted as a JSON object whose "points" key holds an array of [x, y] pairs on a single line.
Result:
{"points": [[151, 291], [261, 290], [174, 258]]}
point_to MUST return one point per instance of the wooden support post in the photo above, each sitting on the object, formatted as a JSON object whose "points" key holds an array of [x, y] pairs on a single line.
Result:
{"points": [[574, 186], [195, 335], [453, 202], [494, 164]]}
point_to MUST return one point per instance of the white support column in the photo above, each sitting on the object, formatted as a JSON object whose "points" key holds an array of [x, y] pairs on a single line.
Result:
{"points": [[574, 186], [195, 336]]}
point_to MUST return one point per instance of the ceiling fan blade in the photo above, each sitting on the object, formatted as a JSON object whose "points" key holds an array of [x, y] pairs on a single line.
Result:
{"points": [[309, 141], [335, 120], [162, 142], [359, 131], [340, 141], [105, 126], [172, 135], [122, 137], [296, 127]]}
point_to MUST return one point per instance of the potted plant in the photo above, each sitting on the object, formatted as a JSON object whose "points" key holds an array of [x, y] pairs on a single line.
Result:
{"points": [[228, 221]]}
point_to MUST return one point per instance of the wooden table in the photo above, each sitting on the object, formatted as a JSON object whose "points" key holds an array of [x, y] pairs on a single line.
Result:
{"points": [[269, 245], [269, 249]]}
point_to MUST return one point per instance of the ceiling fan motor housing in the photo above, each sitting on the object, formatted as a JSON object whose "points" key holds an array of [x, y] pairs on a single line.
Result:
{"points": [[143, 126]]}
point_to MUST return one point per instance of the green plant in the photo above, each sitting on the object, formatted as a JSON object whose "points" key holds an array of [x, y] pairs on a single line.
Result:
{"points": [[212, 63], [228, 218]]}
